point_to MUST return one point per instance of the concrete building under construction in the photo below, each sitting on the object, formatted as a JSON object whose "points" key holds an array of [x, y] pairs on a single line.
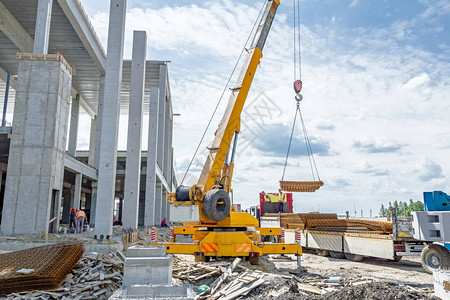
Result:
{"points": [[52, 69]]}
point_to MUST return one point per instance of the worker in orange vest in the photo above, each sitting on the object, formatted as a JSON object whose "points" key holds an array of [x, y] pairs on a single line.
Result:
{"points": [[72, 217], [81, 218]]}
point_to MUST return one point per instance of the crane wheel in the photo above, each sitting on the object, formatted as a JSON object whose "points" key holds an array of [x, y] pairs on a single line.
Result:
{"points": [[217, 205], [353, 257], [335, 254], [435, 257]]}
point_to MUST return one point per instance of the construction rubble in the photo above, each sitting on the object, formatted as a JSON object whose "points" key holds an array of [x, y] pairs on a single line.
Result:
{"points": [[94, 276], [98, 276], [234, 280]]}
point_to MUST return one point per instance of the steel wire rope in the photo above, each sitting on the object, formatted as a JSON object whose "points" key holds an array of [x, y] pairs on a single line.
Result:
{"points": [[223, 93], [298, 67]]}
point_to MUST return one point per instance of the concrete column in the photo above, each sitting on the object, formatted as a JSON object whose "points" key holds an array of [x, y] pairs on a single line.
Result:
{"points": [[73, 133], [37, 149], [66, 205], [119, 217], [98, 129], [111, 107], [98, 132], [164, 204], [166, 158], [92, 136], [158, 203], [77, 191], [42, 30], [150, 179], [134, 141], [161, 116]]}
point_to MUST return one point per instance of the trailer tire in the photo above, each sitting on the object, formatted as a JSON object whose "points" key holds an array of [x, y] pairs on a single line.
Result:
{"points": [[335, 254], [322, 252], [354, 257], [216, 205], [435, 257]]}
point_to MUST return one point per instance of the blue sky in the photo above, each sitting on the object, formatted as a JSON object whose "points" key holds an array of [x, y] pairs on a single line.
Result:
{"points": [[376, 77]]}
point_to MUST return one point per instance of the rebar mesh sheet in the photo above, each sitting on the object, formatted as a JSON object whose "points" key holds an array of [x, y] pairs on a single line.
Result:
{"points": [[300, 186], [346, 230], [385, 227], [299, 220], [50, 265]]}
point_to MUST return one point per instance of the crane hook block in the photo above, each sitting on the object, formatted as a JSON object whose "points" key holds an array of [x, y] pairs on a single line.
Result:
{"points": [[298, 86]]}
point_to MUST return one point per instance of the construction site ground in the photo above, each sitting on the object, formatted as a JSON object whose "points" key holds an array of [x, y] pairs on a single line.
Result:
{"points": [[321, 277]]}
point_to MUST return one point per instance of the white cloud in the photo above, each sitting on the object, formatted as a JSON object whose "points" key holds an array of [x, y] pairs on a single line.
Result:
{"points": [[371, 145], [429, 170]]}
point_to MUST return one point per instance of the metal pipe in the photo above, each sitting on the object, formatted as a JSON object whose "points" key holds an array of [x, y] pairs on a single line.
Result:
{"points": [[5, 103], [234, 147]]}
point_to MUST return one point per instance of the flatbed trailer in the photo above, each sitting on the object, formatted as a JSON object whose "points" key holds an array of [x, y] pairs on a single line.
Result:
{"points": [[355, 245]]}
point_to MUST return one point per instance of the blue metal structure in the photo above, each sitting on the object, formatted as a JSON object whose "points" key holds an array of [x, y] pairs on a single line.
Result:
{"points": [[436, 201]]}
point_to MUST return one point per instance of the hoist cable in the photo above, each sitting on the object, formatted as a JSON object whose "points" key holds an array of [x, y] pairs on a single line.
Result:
{"points": [[223, 93], [290, 142], [311, 153]]}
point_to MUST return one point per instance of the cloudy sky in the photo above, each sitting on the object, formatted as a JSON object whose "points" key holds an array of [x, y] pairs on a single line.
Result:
{"points": [[376, 85]]}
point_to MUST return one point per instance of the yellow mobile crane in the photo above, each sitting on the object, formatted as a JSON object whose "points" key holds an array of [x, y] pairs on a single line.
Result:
{"points": [[221, 230]]}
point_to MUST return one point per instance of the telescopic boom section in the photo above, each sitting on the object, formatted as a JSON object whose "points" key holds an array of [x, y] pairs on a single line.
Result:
{"points": [[230, 123]]}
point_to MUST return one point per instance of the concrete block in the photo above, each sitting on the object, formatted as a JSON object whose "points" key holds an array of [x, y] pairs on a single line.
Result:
{"points": [[148, 270], [182, 292], [184, 213], [143, 251]]}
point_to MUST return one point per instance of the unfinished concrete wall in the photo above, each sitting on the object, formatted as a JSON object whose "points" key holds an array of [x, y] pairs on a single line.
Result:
{"points": [[38, 140]]}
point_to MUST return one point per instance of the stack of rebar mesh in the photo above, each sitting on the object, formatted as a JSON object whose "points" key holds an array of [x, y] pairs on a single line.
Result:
{"points": [[39, 268], [330, 222]]}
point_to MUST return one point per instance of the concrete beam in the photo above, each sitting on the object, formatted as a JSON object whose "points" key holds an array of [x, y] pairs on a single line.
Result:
{"points": [[42, 29], [161, 177], [73, 131], [109, 134], [134, 140], [14, 31], [74, 165], [150, 178], [4, 75], [83, 27]]}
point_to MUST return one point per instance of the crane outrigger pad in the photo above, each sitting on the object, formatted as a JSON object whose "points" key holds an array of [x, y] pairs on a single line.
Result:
{"points": [[300, 186]]}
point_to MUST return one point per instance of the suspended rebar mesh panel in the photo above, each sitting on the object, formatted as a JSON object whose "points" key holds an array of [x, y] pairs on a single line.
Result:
{"points": [[300, 186], [39, 268]]}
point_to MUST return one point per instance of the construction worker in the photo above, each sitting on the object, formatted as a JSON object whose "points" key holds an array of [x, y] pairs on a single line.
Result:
{"points": [[72, 217], [164, 223], [81, 218]]}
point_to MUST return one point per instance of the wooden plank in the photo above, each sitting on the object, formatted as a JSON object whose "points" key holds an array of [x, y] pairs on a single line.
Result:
{"points": [[309, 288]]}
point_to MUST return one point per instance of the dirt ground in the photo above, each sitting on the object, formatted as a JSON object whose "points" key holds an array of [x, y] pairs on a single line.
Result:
{"points": [[408, 270], [389, 278]]}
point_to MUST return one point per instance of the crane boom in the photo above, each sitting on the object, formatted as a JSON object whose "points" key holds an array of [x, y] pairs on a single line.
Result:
{"points": [[230, 123]]}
